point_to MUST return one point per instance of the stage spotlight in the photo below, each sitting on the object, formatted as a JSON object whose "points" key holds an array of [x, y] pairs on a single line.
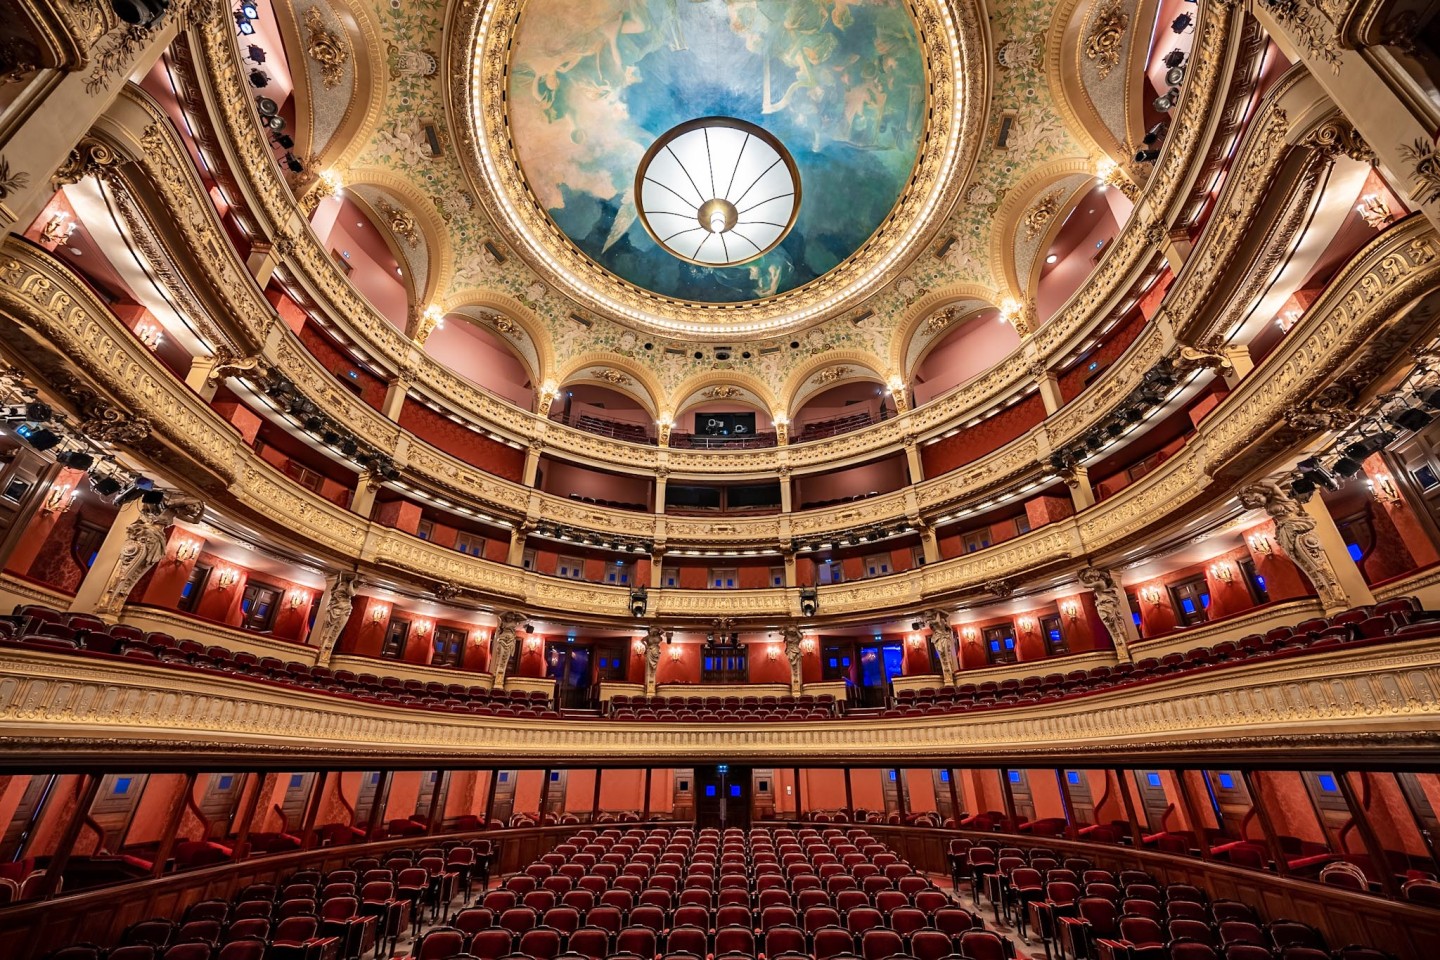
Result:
{"points": [[1316, 473], [259, 79], [809, 601], [1346, 467], [1181, 23], [1175, 76], [106, 486], [1155, 133], [1410, 418], [1302, 488], [249, 11], [141, 13], [639, 596], [34, 410], [76, 459], [38, 437], [1146, 156], [1174, 58], [153, 498], [292, 163]]}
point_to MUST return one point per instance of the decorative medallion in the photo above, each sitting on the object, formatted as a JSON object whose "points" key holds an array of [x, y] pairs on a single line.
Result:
{"points": [[1107, 38], [326, 48]]}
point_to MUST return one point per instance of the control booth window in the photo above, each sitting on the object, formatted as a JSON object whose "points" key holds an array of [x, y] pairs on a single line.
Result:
{"points": [[258, 605], [1000, 644], [571, 568], [617, 572], [777, 576], [1191, 599], [829, 571], [977, 540], [470, 543], [877, 566], [724, 663]]}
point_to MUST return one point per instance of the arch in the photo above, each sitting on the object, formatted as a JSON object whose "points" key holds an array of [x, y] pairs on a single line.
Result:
{"points": [[440, 252], [1095, 108], [970, 344], [367, 84], [640, 384], [753, 391], [911, 332], [1018, 203], [849, 364], [471, 345], [484, 304]]}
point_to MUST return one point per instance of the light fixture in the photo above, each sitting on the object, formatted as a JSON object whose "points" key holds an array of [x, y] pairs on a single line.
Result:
{"points": [[1222, 570], [1382, 485], [1375, 211], [915, 639], [772, 652], [60, 498], [970, 633], [186, 550], [420, 627], [1053, 258], [151, 334], [379, 612], [141, 13], [1150, 594], [639, 647], [807, 644], [809, 601], [1010, 311], [1027, 624], [1287, 320], [298, 598], [717, 191], [1260, 543], [58, 229], [1070, 609], [639, 597], [331, 183], [226, 578]]}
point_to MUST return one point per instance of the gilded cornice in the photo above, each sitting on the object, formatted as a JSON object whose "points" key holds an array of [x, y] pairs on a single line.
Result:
{"points": [[1130, 260], [1363, 318], [73, 702]]}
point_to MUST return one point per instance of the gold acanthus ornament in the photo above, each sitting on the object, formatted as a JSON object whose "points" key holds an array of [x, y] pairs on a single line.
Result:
{"points": [[1106, 38], [326, 48], [1038, 217], [724, 391], [831, 374], [612, 377], [402, 224]]}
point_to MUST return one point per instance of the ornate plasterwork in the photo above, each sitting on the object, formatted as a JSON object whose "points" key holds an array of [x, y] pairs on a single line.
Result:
{"points": [[79, 704], [483, 36], [326, 47]]}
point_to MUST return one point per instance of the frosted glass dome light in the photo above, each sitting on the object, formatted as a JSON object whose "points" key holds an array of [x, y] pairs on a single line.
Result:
{"points": [[717, 191]]}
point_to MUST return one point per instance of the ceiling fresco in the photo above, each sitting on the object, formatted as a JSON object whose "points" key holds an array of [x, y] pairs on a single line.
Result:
{"points": [[840, 84]]}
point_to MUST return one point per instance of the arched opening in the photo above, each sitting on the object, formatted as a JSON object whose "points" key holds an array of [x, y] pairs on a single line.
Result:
{"points": [[972, 346], [723, 423], [596, 408], [1076, 248], [364, 253], [476, 353], [840, 409]]}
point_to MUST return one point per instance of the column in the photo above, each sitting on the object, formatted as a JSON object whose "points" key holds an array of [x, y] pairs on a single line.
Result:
{"points": [[913, 463], [255, 782], [1049, 385], [262, 262], [799, 797], [374, 825], [929, 541], [198, 379], [786, 495], [367, 485], [645, 814], [661, 481], [332, 614], [532, 462], [657, 563], [595, 798], [1308, 536], [544, 795], [1240, 364], [516, 556], [787, 554], [1113, 608], [395, 392], [1375, 102], [45, 144], [1077, 480]]}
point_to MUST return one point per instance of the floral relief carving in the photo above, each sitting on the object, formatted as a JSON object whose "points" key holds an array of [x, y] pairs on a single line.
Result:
{"points": [[326, 48], [1106, 38]]}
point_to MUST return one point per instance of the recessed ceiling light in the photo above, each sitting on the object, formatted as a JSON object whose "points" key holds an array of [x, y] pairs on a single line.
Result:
{"points": [[1052, 258]]}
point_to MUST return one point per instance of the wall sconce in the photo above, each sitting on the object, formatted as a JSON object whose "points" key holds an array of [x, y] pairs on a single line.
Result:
{"points": [[432, 319], [970, 634], [60, 498], [781, 419], [299, 598], [1070, 609], [420, 627], [1382, 485], [226, 578], [1009, 311], [914, 639], [186, 550], [639, 647], [896, 384], [1150, 595], [1375, 211], [773, 652], [534, 642], [807, 644], [1287, 320], [152, 335], [479, 636], [1260, 543], [58, 229], [379, 612], [1027, 624], [1222, 570]]}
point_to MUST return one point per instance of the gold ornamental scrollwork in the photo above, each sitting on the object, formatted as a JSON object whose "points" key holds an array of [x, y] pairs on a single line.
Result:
{"points": [[326, 48], [1106, 39]]}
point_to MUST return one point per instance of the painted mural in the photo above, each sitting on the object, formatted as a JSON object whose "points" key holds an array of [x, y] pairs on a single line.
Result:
{"points": [[839, 82]]}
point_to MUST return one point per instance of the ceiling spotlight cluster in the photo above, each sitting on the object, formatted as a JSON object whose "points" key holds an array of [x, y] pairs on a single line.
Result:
{"points": [[1404, 411], [50, 432], [589, 538], [328, 431], [1154, 389], [1174, 76], [268, 108]]}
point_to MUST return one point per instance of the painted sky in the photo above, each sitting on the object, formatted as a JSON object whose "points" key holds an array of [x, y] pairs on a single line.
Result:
{"points": [[839, 82]]}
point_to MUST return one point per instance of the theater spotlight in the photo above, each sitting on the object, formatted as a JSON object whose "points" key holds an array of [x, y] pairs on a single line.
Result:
{"points": [[1362, 448], [142, 13], [268, 108], [1410, 418], [639, 596], [106, 486], [1302, 488], [255, 54], [38, 437], [1155, 134], [1346, 467], [1181, 23], [1167, 100], [1316, 473], [1174, 58], [809, 601], [34, 410], [292, 163], [76, 459], [1147, 156], [246, 28], [1174, 76]]}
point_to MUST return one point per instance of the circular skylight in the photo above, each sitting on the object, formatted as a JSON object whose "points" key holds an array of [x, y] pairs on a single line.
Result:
{"points": [[717, 191]]}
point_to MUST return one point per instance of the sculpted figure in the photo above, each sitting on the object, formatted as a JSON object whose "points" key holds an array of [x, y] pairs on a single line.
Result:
{"points": [[144, 546], [653, 638], [502, 646], [1110, 605], [1296, 532], [942, 638], [339, 592], [793, 653]]}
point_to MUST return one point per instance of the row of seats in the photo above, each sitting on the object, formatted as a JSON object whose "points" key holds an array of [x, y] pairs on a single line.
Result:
{"points": [[309, 916], [1397, 619], [612, 504], [836, 501], [1098, 914], [829, 428], [631, 432], [732, 709]]}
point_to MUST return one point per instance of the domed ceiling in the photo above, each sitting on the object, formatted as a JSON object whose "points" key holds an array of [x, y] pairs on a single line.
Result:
{"points": [[592, 86]]}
